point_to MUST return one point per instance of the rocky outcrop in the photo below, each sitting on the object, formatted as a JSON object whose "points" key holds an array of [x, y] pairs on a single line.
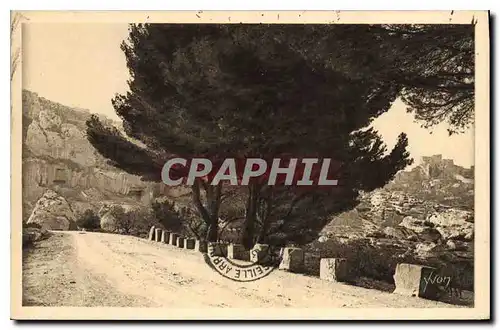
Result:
{"points": [[53, 212], [425, 230], [58, 156], [454, 224], [423, 216]]}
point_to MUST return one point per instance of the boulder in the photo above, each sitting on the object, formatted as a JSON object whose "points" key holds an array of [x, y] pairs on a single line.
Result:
{"points": [[333, 269], [292, 260], [323, 239], [458, 245], [53, 212], [189, 243], [151, 235], [419, 281], [237, 251]]}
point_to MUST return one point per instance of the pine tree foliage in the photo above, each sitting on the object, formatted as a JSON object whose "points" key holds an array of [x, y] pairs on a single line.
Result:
{"points": [[265, 91]]}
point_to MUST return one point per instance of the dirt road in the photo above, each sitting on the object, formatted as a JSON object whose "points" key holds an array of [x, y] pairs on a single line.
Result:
{"points": [[96, 269]]}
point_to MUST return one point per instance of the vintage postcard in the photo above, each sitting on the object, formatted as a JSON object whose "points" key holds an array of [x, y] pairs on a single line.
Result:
{"points": [[250, 165]]}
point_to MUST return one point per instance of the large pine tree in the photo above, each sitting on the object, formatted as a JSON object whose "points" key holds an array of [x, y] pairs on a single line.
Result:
{"points": [[241, 91]]}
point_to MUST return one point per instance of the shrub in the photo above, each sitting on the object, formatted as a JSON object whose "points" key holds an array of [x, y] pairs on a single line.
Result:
{"points": [[135, 222], [164, 212], [89, 220]]}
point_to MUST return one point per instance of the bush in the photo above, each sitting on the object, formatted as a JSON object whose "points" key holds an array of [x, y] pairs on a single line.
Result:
{"points": [[135, 222], [182, 220], [89, 220], [165, 213]]}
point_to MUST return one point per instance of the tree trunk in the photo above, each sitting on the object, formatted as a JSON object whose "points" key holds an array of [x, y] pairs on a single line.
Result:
{"points": [[248, 236], [264, 210], [210, 213]]}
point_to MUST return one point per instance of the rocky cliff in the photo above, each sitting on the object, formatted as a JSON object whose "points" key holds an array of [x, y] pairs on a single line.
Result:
{"points": [[424, 215], [57, 156]]}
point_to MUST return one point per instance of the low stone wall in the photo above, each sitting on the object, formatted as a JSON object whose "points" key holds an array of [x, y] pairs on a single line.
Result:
{"points": [[410, 279]]}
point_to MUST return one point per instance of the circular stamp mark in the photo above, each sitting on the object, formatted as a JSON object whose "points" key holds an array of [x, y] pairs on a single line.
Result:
{"points": [[240, 270]]}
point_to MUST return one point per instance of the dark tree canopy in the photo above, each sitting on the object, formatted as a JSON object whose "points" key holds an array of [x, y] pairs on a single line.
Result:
{"points": [[432, 66], [265, 91]]}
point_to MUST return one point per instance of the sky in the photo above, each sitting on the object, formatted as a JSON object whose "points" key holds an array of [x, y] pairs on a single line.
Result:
{"points": [[81, 65]]}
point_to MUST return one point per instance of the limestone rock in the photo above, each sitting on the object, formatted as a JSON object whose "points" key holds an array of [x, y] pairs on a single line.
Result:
{"points": [[424, 229], [454, 224], [53, 212]]}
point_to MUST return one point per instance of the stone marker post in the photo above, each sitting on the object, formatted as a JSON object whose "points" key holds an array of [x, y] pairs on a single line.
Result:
{"points": [[237, 251], [259, 253], [292, 259], [189, 243], [333, 269], [158, 234], [167, 236], [180, 242], [200, 246], [173, 239], [419, 281], [163, 236], [151, 235]]}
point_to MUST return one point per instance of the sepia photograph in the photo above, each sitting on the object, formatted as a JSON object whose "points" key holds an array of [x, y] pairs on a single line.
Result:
{"points": [[250, 165]]}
